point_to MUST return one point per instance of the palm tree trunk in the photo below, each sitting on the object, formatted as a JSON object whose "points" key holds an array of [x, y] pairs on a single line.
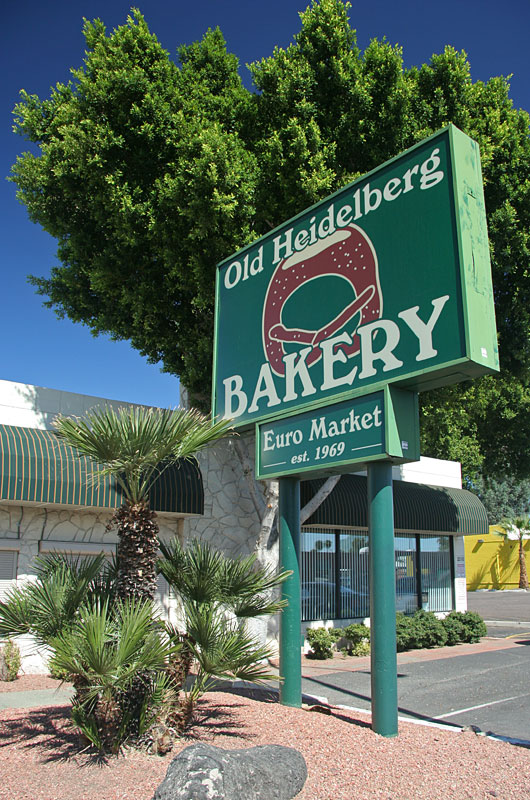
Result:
{"points": [[137, 551], [523, 574]]}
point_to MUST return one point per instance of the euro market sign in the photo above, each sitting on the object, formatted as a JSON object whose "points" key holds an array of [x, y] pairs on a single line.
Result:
{"points": [[378, 426], [386, 281]]}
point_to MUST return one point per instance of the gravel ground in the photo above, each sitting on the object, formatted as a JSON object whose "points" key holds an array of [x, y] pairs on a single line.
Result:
{"points": [[40, 759]]}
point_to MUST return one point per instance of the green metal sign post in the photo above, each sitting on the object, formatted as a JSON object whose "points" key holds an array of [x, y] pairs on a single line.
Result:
{"points": [[290, 663], [327, 327], [382, 599]]}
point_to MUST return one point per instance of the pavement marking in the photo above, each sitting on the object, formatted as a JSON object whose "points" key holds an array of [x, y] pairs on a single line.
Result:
{"points": [[517, 635], [482, 705]]}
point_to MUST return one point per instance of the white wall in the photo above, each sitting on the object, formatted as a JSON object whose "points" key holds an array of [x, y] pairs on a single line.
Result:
{"points": [[30, 406], [432, 471]]}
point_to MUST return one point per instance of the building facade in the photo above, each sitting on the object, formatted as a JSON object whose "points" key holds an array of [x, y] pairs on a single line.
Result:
{"points": [[47, 504]]}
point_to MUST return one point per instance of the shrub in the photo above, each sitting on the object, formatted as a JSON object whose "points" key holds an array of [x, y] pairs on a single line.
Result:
{"points": [[432, 632], [336, 633], [358, 639], [454, 627], [9, 661], [408, 634], [321, 641], [468, 625]]}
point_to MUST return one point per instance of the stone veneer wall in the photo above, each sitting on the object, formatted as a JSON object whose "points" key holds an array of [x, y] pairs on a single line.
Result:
{"points": [[24, 528], [230, 520]]}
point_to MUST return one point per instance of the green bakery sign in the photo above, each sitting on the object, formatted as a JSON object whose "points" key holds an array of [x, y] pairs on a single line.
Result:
{"points": [[387, 281], [382, 425]]}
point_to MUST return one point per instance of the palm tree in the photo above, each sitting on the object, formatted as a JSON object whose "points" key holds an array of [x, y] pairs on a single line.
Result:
{"points": [[520, 526], [134, 445], [218, 596]]}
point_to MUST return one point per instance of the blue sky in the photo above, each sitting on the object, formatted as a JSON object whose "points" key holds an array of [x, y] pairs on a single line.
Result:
{"points": [[41, 41]]}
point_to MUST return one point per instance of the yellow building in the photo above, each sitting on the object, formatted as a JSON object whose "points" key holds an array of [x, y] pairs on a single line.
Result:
{"points": [[492, 560]]}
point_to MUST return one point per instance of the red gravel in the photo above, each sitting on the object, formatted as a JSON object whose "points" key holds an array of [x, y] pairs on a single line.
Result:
{"points": [[28, 682], [39, 757]]}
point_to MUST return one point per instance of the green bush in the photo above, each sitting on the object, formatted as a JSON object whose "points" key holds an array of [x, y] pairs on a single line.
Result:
{"points": [[336, 633], [468, 626], [423, 629], [10, 661], [408, 635], [321, 641], [454, 627], [431, 629], [358, 639]]}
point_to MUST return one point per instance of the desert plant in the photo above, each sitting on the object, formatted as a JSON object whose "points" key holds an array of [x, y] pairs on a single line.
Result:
{"points": [[9, 661], [218, 595], [109, 650], [134, 445], [321, 641], [49, 605]]}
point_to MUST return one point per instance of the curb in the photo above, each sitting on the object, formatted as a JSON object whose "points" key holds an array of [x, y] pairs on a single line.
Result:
{"points": [[426, 723]]}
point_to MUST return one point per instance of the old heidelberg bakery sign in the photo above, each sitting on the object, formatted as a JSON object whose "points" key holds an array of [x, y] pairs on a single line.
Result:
{"points": [[386, 281]]}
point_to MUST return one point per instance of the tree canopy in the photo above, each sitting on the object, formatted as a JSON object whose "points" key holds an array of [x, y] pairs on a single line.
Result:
{"points": [[150, 172]]}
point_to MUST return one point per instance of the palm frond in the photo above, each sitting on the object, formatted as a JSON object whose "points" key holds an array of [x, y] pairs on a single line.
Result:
{"points": [[204, 575], [15, 614], [134, 444]]}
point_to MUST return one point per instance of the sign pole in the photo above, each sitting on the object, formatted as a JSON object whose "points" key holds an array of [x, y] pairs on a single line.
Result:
{"points": [[290, 618], [382, 599]]}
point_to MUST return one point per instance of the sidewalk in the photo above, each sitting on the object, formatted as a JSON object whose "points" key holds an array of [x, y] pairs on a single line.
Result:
{"points": [[339, 663]]}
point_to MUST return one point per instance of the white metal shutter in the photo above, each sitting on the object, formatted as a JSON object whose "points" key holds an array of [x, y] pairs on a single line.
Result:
{"points": [[8, 571]]}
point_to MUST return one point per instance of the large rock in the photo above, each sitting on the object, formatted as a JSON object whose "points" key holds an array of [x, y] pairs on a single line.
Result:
{"points": [[203, 772]]}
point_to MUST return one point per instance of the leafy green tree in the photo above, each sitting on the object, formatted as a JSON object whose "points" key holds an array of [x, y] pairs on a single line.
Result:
{"points": [[134, 445], [149, 173], [503, 498]]}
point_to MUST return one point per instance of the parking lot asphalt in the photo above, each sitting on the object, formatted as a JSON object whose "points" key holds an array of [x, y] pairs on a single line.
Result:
{"points": [[484, 685], [511, 606]]}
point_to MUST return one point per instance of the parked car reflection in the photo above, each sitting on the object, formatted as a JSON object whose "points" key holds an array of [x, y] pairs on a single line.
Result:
{"points": [[407, 596], [319, 601]]}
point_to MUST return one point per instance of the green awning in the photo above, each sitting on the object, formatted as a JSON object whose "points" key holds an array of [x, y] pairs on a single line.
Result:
{"points": [[36, 467], [417, 507]]}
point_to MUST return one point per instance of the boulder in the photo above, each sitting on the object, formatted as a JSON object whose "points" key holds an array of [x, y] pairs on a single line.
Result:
{"points": [[204, 772]]}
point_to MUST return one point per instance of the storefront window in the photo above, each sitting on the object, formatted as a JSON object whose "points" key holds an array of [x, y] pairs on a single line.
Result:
{"points": [[354, 588], [406, 577], [318, 584], [435, 567], [335, 573]]}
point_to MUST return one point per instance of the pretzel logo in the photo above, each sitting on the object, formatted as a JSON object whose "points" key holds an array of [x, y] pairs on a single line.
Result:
{"points": [[347, 253]]}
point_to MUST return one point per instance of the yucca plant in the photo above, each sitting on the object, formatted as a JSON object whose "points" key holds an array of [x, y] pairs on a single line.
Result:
{"points": [[134, 445], [110, 650]]}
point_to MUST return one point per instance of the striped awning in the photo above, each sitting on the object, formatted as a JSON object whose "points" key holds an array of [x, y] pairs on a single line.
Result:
{"points": [[417, 507], [36, 467]]}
